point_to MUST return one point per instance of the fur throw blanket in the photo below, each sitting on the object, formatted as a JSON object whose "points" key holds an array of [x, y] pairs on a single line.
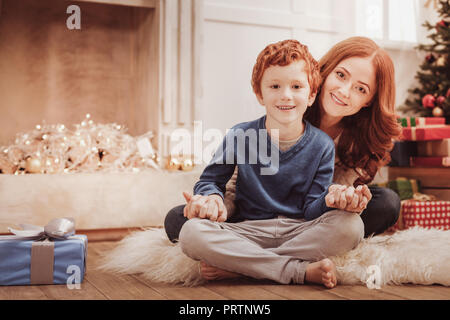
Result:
{"points": [[416, 255]]}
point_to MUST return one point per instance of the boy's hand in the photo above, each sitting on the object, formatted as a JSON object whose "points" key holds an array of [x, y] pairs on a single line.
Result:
{"points": [[205, 207], [348, 198]]}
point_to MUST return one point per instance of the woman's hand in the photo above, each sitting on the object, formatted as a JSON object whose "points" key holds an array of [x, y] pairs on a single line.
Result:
{"points": [[205, 207], [348, 198]]}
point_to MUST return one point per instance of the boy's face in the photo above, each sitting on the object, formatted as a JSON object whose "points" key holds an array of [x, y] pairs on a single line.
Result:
{"points": [[286, 93]]}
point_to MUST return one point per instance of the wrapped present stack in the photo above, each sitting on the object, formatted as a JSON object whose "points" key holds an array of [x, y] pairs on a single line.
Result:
{"points": [[425, 142], [420, 173]]}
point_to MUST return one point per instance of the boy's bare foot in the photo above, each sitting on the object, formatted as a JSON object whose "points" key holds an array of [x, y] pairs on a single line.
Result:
{"points": [[323, 271], [212, 273]]}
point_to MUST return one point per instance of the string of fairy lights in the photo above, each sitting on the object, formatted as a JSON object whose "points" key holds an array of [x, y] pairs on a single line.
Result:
{"points": [[88, 147]]}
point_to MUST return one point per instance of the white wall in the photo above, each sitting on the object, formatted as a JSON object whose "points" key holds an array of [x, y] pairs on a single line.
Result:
{"points": [[235, 31]]}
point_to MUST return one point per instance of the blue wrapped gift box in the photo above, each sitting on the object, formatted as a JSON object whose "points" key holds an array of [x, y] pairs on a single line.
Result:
{"points": [[69, 258], [402, 152]]}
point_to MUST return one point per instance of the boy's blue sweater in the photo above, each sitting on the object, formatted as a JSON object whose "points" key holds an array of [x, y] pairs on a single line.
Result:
{"points": [[296, 190]]}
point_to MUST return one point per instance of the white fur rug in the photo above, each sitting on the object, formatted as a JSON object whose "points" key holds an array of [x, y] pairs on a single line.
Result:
{"points": [[416, 255]]}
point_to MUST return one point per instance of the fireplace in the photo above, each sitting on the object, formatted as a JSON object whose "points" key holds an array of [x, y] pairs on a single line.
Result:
{"points": [[132, 63]]}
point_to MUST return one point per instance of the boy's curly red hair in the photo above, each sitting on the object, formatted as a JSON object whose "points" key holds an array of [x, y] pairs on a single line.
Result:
{"points": [[282, 54]]}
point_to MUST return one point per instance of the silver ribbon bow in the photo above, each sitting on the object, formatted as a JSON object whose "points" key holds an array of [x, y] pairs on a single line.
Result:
{"points": [[60, 228]]}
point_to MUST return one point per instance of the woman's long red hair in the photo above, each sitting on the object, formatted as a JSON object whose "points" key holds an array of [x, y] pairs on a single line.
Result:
{"points": [[367, 137]]}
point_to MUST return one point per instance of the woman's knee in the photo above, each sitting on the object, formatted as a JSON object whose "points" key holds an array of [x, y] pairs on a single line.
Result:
{"points": [[173, 222], [391, 204], [382, 211]]}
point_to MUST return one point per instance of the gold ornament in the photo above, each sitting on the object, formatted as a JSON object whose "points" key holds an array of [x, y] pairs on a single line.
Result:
{"points": [[438, 112], [173, 164], [440, 62], [187, 165], [33, 165]]}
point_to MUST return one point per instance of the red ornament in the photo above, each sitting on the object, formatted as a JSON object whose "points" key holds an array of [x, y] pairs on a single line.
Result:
{"points": [[428, 101], [448, 93], [443, 23], [440, 100], [430, 58]]}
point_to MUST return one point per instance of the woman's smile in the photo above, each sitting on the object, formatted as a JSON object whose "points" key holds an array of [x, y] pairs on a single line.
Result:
{"points": [[337, 100]]}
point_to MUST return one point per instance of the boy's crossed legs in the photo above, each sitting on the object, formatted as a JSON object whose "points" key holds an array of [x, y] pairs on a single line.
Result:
{"points": [[284, 250]]}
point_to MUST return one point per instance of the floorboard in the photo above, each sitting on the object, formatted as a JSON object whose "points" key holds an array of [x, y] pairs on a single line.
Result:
{"points": [[100, 285]]}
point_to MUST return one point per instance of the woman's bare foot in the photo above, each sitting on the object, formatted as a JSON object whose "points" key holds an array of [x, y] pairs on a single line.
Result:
{"points": [[212, 273], [323, 271]]}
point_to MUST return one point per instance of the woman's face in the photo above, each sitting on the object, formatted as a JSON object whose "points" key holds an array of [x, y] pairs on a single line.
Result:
{"points": [[348, 88]]}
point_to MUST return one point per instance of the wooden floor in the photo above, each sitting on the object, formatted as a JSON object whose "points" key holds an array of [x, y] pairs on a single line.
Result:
{"points": [[100, 286]]}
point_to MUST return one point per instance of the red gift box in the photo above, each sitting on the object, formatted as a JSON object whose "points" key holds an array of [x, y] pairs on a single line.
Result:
{"points": [[425, 214], [430, 161], [432, 132]]}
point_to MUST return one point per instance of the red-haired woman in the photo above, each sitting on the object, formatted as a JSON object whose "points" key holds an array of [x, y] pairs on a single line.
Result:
{"points": [[361, 121]]}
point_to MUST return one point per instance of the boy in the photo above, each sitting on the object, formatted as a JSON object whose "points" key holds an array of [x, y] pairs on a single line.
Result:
{"points": [[287, 232]]}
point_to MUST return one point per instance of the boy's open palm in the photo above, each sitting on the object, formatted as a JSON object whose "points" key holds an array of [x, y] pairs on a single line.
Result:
{"points": [[205, 207]]}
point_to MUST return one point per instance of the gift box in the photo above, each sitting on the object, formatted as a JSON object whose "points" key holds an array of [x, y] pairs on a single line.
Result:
{"points": [[437, 132], [430, 161], [401, 153], [436, 148], [420, 121], [426, 214], [49, 259], [405, 188]]}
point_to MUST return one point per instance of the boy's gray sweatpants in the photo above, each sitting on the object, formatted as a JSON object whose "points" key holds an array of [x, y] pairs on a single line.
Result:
{"points": [[277, 249]]}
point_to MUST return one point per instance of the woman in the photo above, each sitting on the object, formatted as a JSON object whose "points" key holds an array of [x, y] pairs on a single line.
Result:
{"points": [[355, 107], [360, 120]]}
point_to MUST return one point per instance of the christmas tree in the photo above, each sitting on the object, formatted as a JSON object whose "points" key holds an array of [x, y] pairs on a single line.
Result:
{"points": [[432, 97]]}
